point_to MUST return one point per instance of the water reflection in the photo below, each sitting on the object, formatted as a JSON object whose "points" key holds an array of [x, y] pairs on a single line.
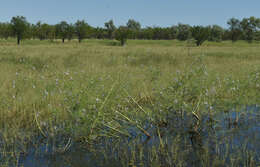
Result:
{"points": [[219, 139]]}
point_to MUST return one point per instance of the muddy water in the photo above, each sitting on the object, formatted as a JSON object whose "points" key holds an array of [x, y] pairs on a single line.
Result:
{"points": [[229, 138]]}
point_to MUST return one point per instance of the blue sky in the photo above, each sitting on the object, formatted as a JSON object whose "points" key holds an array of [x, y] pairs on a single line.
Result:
{"points": [[147, 12]]}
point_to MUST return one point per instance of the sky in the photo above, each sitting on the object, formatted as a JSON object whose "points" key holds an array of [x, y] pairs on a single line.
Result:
{"points": [[148, 12]]}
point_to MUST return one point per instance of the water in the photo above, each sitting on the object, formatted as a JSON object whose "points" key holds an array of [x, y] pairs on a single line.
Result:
{"points": [[224, 138]]}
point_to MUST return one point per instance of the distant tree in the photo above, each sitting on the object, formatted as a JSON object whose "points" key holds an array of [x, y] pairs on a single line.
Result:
{"points": [[62, 30], [257, 36], [133, 25], [258, 24], [5, 30], [81, 29], [157, 33], [200, 34], [42, 30], [184, 32], [70, 31], [19, 26], [122, 34], [100, 33], [39, 32], [249, 27], [110, 28], [29, 32], [146, 33], [235, 29], [173, 32], [51, 32], [226, 35], [34, 31], [216, 33]]}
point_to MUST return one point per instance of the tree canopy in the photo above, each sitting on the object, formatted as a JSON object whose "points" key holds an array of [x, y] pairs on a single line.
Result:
{"points": [[19, 26], [122, 34], [200, 34], [81, 29], [62, 30], [110, 28], [245, 29]]}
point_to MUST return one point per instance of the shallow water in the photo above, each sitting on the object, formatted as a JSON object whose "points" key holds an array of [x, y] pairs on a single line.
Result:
{"points": [[231, 137]]}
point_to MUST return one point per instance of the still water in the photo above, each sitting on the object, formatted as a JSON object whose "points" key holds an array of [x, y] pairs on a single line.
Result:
{"points": [[229, 138]]}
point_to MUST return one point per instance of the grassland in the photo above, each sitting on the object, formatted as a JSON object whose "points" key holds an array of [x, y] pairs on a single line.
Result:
{"points": [[85, 92]]}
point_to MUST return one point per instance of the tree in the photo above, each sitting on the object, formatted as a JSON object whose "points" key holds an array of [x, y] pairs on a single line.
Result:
{"points": [[110, 28], [235, 29], [200, 34], [99, 33], [257, 36], [147, 33], [184, 32], [157, 33], [5, 30], [173, 30], [81, 29], [134, 27], [216, 33], [42, 30], [51, 32], [34, 31], [19, 26], [70, 31], [122, 34], [249, 27], [62, 30]]}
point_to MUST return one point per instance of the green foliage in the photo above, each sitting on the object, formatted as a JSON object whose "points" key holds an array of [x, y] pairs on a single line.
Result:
{"points": [[5, 30], [44, 31], [184, 32], [19, 26], [133, 25], [235, 29], [200, 34], [70, 31], [216, 33], [62, 30], [81, 28], [134, 28], [110, 27], [122, 34], [249, 27]]}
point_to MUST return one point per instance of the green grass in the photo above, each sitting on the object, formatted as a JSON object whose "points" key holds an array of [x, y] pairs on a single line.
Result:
{"points": [[84, 90]]}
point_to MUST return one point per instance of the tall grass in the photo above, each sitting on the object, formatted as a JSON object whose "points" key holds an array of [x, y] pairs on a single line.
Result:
{"points": [[85, 92]]}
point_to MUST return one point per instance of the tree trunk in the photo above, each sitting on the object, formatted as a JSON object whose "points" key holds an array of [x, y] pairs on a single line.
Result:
{"points": [[18, 40], [79, 40], [63, 40]]}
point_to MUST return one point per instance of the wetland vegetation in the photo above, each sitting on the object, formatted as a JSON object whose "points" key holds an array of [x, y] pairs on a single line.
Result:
{"points": [[150, 103]]}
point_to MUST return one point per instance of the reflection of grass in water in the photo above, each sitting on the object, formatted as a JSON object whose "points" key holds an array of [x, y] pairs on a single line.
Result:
{"points": [[172, 144], [75, 90]]}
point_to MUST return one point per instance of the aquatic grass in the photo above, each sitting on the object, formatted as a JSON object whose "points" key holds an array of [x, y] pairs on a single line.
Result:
{"points": [[66, 95]]}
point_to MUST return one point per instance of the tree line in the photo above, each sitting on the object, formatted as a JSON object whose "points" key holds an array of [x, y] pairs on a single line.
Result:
{"points": [[246, 29]]}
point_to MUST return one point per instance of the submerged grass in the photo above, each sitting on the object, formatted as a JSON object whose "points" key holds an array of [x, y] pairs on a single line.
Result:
{"points": [[83, 93]]}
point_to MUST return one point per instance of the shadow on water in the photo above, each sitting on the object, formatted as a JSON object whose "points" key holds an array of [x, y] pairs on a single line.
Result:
{"points": [[228, 138]]}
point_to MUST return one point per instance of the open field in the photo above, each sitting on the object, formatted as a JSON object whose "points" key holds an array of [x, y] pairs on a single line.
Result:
{"points": [[79, 94]]}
